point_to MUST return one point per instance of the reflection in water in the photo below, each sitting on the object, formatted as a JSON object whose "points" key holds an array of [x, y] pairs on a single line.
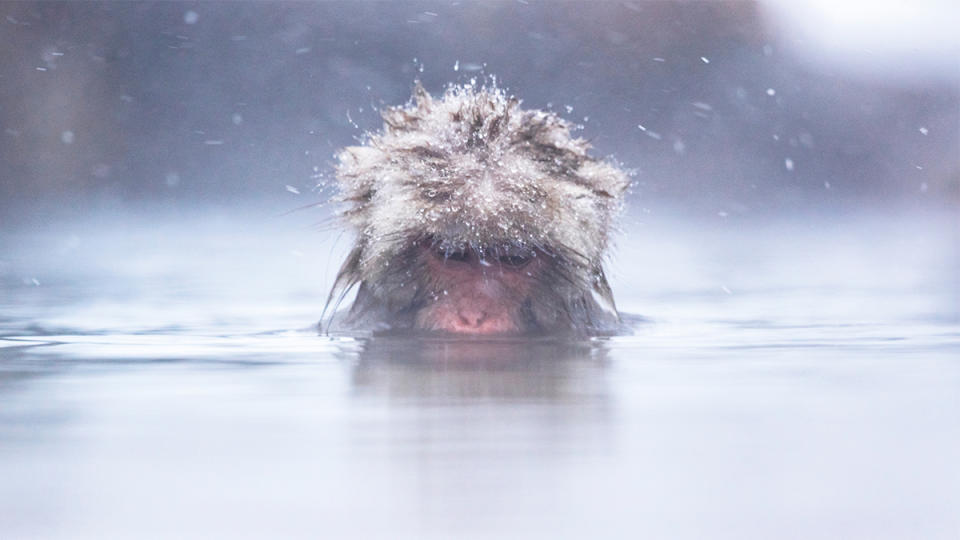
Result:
{"points": [[449, 369]]}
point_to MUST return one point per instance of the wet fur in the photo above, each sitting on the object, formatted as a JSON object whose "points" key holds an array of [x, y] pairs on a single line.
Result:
{"points": [[473, 170]]}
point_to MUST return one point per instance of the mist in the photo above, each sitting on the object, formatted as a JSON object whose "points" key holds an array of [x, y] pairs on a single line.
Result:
{"points": [[786, 265], [717, 107]]}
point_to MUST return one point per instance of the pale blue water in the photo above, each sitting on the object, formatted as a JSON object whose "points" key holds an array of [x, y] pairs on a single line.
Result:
{"points": [[794, 380]]}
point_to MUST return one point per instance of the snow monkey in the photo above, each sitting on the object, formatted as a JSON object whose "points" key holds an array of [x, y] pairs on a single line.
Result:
{"points": [[475, 216]]}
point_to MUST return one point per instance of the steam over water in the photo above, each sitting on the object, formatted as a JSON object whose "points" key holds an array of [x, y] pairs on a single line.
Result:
{"points": [[786, 380], [790, 265]]}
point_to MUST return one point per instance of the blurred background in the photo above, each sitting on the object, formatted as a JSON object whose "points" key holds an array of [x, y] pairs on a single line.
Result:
{"points": [[791, 241], [719, 107]]}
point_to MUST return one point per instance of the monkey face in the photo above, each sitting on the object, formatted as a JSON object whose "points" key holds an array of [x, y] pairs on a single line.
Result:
{"points": [[475, 216], [478, 292]]}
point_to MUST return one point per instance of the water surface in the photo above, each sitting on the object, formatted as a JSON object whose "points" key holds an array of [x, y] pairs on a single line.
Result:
{"points": [[792, 380]]}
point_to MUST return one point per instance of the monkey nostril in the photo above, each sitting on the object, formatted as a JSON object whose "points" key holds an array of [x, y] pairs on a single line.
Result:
{"points": [[471, 317]]}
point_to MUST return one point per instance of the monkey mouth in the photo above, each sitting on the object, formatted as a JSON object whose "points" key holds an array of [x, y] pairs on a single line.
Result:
{"points": [[466, 323], [489, 330]]}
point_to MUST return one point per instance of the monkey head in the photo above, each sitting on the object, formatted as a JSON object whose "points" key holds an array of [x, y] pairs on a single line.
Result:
{"points": [[475, 216]]}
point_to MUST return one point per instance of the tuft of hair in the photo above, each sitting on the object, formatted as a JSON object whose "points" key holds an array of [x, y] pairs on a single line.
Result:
{"points": [[473, 170]]}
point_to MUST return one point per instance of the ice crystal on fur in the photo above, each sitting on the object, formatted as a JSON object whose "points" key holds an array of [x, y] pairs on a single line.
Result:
{"points": [[473, 170]]}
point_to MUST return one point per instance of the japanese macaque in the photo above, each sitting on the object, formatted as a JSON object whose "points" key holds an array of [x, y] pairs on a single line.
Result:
{"points": [[475, 216]]}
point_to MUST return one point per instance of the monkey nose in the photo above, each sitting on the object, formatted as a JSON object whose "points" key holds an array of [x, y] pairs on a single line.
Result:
{"points": [[472, 317]]}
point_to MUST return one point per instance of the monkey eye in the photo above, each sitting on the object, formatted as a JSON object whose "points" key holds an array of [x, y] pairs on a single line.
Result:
{"points": [[515, 260], [455, 255]]}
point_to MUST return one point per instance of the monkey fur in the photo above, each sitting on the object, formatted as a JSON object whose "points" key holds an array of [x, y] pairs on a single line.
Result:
{"points": [[473, 171]]}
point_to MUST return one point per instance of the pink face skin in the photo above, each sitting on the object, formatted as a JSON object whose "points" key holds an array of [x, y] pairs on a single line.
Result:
{"points": [[477, 296]]}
